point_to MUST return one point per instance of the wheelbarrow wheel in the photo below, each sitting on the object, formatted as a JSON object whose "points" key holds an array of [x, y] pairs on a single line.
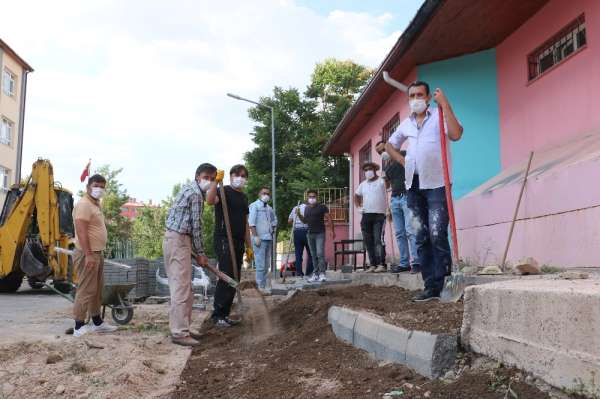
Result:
{"points": [[122, 315]]}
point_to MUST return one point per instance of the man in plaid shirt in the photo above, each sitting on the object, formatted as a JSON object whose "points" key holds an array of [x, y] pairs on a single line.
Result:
{"points": [[184, 234]]}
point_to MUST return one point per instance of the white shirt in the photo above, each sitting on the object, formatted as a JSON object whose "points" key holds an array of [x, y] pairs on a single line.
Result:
{"points": [[373, 195], [424, 152], [297, 222]]}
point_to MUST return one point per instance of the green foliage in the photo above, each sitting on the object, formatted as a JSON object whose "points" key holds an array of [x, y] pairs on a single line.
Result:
{"points": [[303, 125]]}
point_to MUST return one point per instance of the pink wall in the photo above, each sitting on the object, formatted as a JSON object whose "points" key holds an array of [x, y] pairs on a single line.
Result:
{"points": [[561, 103], [371, 131]]}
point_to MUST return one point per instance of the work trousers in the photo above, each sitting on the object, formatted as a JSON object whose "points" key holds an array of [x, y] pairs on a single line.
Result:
{"points": [[262, 261], [90, 280], [371, 226], [177, 250], [405, 237], [300, 243], [430, 224], [316, 243], [224, 293]]}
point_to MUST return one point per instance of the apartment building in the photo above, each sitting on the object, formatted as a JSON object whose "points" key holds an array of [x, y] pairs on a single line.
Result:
{"points": [[13, 84]]}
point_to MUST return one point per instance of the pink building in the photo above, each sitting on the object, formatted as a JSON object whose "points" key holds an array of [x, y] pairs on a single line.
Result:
{"points": [[522, 76], [130, 208]]}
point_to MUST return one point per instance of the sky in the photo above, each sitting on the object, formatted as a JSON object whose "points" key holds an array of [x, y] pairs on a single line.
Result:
{"points": [[141, 84]]}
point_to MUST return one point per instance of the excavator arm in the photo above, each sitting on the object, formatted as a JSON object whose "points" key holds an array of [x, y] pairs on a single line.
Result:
{"points": [[38, 198]]}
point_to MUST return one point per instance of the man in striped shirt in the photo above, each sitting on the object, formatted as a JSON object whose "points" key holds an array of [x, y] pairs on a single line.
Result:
{"points": [[182, 236]]}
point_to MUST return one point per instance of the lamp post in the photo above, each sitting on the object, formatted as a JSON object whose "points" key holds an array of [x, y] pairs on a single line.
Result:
{"points": [[236, 97]]}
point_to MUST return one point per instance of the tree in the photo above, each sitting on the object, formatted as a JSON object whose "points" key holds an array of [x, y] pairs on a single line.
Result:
{"points": [[303, 125]]}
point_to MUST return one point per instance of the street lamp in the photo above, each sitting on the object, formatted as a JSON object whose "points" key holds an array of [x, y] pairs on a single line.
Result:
{"points": [[236, 97]]}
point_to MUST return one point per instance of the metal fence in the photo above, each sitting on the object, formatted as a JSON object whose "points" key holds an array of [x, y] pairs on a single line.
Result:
{"points": [[337, 201]]}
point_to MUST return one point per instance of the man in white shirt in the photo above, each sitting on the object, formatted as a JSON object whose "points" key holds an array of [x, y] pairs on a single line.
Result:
{"points": [[425, 182], [300, 235], [370, 196]]}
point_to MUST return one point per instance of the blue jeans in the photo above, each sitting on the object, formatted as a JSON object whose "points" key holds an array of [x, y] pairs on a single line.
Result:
{"points": [[406, 239], [262, 260], [301, 242], [430, 221], [316, 243], [371, 225]]}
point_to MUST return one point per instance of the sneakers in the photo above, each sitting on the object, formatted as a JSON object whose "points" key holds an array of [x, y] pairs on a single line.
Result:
{"points": [[380, 269], [371, 269], [426, 296], [185, 341], [322, 278], [102, 328], [415, 269], [85, 329], [226, 322], [399, 269], [313, 278]]}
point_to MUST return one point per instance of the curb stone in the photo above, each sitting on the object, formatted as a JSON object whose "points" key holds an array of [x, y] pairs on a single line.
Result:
{"points": [[430, 355]]}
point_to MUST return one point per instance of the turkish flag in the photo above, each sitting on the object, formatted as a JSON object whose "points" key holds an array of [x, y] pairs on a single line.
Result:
{"points": [[86, 171]]}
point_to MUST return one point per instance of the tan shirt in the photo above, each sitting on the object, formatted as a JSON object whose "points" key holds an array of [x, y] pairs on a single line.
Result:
{"points": [[88, 209]]}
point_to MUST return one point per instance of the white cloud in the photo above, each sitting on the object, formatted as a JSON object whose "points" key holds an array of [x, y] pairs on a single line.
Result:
{"points": [[141, 84]]}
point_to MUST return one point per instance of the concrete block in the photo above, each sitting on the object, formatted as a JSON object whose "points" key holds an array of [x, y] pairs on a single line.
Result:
{"points": [[347, 269], [279, 291], [428, 354], [543, 326]]}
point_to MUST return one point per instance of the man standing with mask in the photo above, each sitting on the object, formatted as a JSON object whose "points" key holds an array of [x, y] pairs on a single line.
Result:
{"points": [[182, 236], [401, 214], [425, 181], [262, 222], [370, 196], [237, 207], [90, 242]]}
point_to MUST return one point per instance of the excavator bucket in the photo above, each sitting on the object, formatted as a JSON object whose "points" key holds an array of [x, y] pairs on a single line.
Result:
{"points": [[34, 262]]}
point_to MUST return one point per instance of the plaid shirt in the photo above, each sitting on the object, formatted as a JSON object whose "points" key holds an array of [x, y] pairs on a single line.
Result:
{"points": [[185, 215]]}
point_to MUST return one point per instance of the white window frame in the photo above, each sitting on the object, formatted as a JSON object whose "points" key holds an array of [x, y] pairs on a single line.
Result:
{"points": [[6, 130], [4, 178], [9, 83]]}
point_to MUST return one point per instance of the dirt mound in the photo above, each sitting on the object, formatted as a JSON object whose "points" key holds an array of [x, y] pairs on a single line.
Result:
{"points": [[302, 358], [247, 284]]}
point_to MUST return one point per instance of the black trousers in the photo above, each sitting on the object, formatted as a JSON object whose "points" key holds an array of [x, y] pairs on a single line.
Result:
{"points": [[371, 225], [224, 293]]}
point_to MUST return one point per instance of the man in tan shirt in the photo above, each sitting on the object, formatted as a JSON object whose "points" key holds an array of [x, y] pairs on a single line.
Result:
{"points": [[88, 260]]}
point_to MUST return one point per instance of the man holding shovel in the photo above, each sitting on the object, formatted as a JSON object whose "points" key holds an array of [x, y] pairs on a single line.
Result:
{"points": [[237, 212], [425, 182], [182, 236]]}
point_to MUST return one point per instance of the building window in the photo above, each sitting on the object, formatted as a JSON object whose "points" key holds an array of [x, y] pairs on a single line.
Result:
{"points": [[9, 83], [387, 130], [6, 129], [364, 156], [568, 41], [4, 179]]}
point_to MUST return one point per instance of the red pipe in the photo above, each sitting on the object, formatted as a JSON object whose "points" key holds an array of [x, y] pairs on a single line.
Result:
{"points": [[448, 185]]}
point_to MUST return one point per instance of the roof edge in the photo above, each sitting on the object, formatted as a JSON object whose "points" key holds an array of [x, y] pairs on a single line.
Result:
{"points": [[406, 39], [16, 56]]}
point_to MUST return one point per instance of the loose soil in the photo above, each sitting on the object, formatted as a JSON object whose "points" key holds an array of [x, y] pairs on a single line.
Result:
{"points": [[300, 357]]}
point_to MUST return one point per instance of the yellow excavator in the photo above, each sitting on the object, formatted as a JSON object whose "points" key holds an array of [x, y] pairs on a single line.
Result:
{"points": [[36, 219]]}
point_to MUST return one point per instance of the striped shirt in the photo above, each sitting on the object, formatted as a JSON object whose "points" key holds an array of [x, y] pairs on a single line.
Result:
{"points": [[185, 215]]}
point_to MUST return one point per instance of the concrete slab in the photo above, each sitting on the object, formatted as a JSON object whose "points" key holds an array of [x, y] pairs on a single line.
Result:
{"points": [[428, 354], [548, 327], [405, 280]]}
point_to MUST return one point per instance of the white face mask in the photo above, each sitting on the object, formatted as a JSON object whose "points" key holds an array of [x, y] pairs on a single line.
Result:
{"points": [[265, 198], [417, 106], [204, 185], [238, 182], [312, 201], [369, 174], [97, 192], [385, 156]]}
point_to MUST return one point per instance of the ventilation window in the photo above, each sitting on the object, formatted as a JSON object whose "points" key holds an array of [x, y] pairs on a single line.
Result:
{"points": [[565, 43]]}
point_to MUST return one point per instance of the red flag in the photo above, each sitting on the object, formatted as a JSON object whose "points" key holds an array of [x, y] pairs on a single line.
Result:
{"points": [[86, 171]]}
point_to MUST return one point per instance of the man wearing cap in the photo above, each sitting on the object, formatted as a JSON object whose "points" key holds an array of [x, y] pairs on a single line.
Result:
{"points": [[370, 198]]}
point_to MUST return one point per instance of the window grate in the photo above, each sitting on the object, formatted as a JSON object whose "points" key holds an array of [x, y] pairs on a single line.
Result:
{"points": [[387, 131], [364, 155], [566, 42]]}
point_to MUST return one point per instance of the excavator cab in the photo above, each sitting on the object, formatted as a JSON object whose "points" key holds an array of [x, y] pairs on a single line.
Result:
{"points": [[36, 219]]}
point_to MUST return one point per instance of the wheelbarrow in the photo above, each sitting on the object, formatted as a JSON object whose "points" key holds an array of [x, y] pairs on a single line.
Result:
{"points": [[114, 296]]}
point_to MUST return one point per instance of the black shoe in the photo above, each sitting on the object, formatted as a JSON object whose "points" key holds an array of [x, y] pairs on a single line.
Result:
{"points": [[399, 269], [232, 322], [415, 269], [426, 296]]}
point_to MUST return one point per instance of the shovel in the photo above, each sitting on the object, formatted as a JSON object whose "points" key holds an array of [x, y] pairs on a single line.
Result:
{"points": [[454, 285]]}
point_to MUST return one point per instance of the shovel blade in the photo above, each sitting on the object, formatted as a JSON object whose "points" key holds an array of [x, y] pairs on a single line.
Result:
{"points": [[453, 288]]}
